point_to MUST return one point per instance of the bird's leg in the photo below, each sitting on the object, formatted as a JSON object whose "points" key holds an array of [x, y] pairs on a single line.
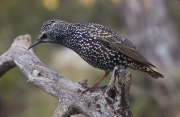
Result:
{"points": [[91, 89]]}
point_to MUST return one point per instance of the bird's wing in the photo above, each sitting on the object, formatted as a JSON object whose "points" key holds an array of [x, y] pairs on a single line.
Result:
{"points": [[121, 44]]}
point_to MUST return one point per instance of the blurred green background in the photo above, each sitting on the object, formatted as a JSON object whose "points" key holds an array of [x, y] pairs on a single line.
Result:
{"points": [[148, 97]]}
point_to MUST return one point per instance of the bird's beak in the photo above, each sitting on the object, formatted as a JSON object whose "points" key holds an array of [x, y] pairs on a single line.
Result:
{"points": [[35, 43]]}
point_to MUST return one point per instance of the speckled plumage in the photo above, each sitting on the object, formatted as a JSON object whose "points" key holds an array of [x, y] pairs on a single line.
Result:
{"points": [[98, 45]]}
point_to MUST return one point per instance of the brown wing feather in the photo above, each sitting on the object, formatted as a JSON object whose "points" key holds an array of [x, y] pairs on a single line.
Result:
{"points": [[117, 42], [108, 35], [123, 42], [124, 46]]}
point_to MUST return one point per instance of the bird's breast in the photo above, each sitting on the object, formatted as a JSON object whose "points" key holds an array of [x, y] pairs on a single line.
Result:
{"points": [[95, 53]]}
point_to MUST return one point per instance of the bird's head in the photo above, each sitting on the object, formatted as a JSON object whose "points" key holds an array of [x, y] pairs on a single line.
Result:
{"points": [[52, 31]]}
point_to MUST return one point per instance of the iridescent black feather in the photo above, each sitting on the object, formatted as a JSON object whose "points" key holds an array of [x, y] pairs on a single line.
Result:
{"points": [[98, 45]]}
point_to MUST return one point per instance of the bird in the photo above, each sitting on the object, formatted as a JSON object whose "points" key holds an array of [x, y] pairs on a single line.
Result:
{"points": [[98, 45]]}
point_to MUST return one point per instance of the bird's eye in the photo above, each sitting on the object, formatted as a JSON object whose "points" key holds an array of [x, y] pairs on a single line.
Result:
{"points": [[44, 36]]}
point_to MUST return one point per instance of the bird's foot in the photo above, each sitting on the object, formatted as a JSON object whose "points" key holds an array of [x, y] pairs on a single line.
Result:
{"points": [[93, 88]]}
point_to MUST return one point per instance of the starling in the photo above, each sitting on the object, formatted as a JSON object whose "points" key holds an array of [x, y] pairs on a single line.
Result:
{"points": [[98, 45]]}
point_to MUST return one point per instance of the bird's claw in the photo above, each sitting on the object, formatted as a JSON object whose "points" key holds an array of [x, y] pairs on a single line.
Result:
{"points": [[93, 88]]}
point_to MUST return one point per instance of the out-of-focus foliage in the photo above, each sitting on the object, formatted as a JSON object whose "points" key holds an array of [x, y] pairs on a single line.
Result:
{"points": [[19, 17]]}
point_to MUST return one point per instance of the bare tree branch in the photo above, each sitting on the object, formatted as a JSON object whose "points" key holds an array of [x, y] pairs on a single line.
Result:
{"points": [[111, 103]]}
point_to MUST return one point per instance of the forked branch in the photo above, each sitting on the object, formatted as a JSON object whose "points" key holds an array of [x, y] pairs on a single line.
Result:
{"points": [[111, 103]]}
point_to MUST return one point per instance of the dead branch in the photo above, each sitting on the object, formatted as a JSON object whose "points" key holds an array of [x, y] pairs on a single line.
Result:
{"points": [[111, 103]]}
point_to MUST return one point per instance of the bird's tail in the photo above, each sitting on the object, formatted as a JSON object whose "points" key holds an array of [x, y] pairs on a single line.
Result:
{"points": [[152, 72], [147, 68]]}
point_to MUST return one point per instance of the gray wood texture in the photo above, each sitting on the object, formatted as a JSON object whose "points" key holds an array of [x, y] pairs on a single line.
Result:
{"points": [[112, 102]]}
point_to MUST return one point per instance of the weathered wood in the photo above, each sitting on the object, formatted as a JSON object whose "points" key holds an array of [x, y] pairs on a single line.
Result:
{"points": [[111, 103]]}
